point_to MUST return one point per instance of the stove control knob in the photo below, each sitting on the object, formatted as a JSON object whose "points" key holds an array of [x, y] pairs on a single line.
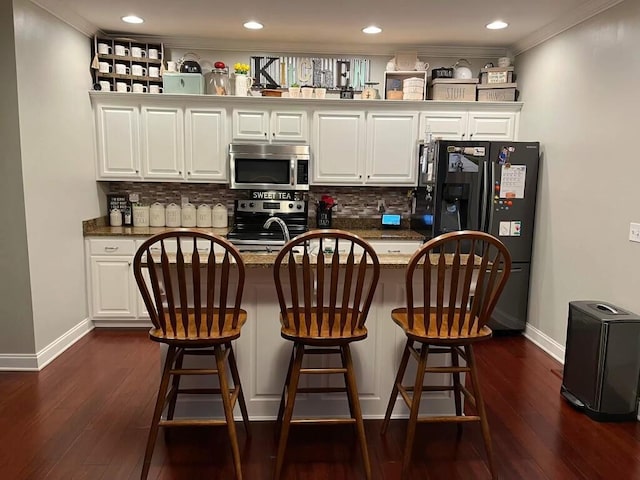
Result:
{"points": [[291, 205], [243, 205], [252, 204], [299, 207]]}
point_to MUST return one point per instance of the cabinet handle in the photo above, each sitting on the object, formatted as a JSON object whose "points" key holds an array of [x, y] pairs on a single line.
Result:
{"points": [[265, 134], [273, 134], [393, 251], [137, 171], [368, 176], [359, 176], [188, 173], [179, 172], [129, 263], [110, 249], [471, 135], [463, 135]]}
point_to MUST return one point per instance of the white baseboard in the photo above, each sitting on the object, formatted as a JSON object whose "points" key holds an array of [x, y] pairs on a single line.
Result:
{"points": [[545, 342], [39, 360]]}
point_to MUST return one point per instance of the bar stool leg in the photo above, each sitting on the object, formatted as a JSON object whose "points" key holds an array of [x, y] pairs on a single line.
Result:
{"points": [[157, 413], [288, 412], [353, 394], [457, 395], [394, 393], [482, 413], [228, 409], [175, 384], [284, 392], [233, 366], [415, 407], [346, 382]]}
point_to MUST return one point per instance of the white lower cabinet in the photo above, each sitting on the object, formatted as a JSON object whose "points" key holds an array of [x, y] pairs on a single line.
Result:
{"points": [[114, 300]]}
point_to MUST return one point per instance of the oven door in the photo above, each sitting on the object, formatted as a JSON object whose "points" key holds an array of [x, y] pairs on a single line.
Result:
{"points": [[260, 173]]}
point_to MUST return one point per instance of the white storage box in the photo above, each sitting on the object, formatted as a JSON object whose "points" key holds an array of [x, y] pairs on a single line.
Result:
{"points": [[454, 89], [497, 92]]}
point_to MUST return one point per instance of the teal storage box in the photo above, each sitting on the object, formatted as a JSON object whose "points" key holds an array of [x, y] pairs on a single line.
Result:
{"points": [[183, 83]]}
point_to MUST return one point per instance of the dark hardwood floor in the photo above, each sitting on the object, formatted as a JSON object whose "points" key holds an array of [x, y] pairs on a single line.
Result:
{"points": [[86, 416]]}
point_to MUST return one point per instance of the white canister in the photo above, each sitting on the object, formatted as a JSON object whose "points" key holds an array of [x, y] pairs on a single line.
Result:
{"points": [[115, 218], [156, 215], [203, 216], [188, 215], [173, 214], [140, 215], [219, 216]]}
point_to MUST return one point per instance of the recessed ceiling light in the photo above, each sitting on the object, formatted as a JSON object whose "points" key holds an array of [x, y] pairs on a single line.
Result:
{"points": [[497, 25], [132, 19], [372, 29], [253, 25]]}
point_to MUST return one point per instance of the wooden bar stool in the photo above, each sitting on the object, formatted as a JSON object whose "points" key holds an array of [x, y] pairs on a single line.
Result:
{"points": [[459, 291], [324, 301], [192, 285]]}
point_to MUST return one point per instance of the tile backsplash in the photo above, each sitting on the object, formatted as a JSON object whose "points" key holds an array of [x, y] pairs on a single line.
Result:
{"points": [[352, 201]]}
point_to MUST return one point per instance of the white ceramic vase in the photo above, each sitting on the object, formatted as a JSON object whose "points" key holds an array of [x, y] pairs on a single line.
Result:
{"points": [[242, 84]]}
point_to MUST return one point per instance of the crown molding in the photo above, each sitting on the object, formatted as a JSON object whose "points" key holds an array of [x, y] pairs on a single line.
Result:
{"points": [[60, 10], [201, 43], [561, 24]]}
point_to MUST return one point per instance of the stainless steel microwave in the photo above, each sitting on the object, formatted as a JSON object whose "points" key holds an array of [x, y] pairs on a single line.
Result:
{"points": [[263, 166]]}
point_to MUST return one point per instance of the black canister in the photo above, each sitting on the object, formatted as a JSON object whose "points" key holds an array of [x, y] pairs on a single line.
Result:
{"points": [[323, 217]]}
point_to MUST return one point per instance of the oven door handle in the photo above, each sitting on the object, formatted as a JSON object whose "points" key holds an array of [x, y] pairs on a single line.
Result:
{"points": [[292, 173]]}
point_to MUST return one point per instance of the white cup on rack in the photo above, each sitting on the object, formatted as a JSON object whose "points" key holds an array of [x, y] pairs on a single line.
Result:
{"points": [[104, 49], [104, 67], [154, 71], [155, 89], [122, 87], [138, 70], [172, 66], [122, 69], [105, 86], [138, 52], [139, 88], [122, 50], [154, 53]]}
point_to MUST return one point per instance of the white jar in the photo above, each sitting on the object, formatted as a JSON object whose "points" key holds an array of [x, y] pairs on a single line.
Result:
{"points": [[203, 216], [156, 215], [188, 215], [172, 213], [219, 216], [140, 215], [115, 218]]}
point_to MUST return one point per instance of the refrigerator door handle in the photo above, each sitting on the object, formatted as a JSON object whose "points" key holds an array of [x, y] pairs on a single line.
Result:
{"points": [[490, 197], [485, 197]]}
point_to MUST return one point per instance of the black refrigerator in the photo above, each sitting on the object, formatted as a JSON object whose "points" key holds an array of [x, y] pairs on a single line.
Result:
{"points": [[487, 186]]}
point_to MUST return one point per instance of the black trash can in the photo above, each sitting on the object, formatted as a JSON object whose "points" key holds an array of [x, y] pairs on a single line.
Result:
{"points": [[602, 360]]}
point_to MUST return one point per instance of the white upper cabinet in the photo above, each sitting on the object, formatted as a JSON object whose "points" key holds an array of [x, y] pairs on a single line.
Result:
{"points": [[392, 140], [270, 126], [471, 125], [338, 146], [117, 136], [162, 143], [492, 125], [206, 144]]}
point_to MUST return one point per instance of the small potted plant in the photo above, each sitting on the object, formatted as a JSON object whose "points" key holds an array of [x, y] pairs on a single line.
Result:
{"points": [[294, 90]]}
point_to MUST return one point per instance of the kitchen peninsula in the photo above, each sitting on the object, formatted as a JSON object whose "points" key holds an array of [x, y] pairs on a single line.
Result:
{"points": [[261, 353]]}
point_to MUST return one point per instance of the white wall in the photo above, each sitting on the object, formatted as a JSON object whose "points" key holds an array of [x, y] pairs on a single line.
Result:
{"points": [[56, 131], [15, 292], [581, 94]]}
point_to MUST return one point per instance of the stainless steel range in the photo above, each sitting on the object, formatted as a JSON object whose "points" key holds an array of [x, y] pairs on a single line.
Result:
{"points": [[266, 225]]}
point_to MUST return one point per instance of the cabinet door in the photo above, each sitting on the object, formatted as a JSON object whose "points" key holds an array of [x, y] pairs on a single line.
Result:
{"points": [[162, 143], [392, 140], [118, 130], [113, 289], [338, 146], [492, 126], [445, 125], [206, 142], [250, 125], [289, 127]]}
